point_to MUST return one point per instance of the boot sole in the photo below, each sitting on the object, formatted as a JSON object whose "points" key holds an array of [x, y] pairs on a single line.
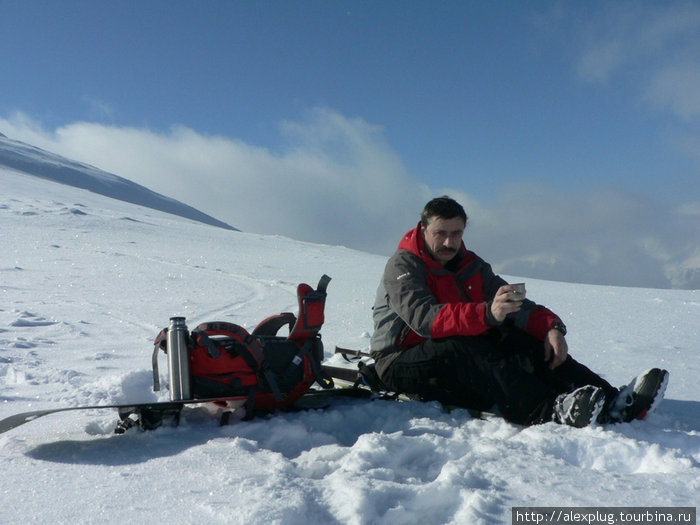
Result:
{"points": [[651, 390], [594, 407]]}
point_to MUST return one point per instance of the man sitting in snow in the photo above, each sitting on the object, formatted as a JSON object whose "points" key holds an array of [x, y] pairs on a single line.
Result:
{"points": [[448, 329]]}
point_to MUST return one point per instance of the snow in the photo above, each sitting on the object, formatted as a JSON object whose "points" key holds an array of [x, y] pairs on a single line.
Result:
{"points": [[87, 282], [25, 158]]}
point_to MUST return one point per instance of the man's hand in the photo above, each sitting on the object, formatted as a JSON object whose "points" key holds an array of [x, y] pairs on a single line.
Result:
{"points": [[503, 303], [555, 348]]}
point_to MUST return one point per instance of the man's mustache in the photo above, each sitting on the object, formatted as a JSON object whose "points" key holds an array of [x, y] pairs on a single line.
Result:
{"points": [[447, 250]]}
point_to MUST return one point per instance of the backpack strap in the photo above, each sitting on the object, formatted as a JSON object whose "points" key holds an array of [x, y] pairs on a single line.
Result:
{"points": [[313, 348], [322, 378], [305, 331], [271, 325]]}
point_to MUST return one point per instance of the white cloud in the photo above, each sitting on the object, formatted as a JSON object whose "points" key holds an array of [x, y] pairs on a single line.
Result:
{"points": [[677, 88], [599, 60], [650, 50], [99, 110], [691, 209], [605, 236], [656, 46], [337, 181]]}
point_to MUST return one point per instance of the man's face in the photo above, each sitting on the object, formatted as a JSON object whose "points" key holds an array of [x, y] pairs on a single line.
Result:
{"points": [[443, 237]]}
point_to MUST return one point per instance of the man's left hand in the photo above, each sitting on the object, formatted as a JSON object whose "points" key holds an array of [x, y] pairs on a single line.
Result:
{"points": [[555, 348]]}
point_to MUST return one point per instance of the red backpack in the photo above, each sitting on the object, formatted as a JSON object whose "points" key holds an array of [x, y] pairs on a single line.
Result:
{"points": [[264, 369]]}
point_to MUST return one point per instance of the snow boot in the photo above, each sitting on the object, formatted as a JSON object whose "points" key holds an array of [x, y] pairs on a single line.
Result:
{"points": [[639, 398], [579, 408]]}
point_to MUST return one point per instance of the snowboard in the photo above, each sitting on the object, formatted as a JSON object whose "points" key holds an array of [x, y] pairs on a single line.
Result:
{"points": [[151, 411], [149, 416]]}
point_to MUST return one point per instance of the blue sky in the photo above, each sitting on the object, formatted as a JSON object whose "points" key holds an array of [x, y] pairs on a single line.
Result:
{"points": [[571, 129]]}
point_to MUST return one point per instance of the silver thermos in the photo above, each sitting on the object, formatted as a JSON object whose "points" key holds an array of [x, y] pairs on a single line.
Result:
{"points": [[178, 360]]}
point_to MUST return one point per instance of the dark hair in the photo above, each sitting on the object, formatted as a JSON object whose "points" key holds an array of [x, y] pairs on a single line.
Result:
{"points": [[443, 207]]}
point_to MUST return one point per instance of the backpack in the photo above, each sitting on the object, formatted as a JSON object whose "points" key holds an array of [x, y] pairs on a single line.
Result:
{"points": [[262, 369]]}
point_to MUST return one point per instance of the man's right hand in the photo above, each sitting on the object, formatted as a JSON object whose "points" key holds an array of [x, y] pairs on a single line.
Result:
{"points": [[503, 304]]}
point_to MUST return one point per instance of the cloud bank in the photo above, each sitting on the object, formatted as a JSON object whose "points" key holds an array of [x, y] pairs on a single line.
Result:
{"points": [[335, 180]]}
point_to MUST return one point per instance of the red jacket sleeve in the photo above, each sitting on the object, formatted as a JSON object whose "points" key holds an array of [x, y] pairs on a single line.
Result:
{"points": [[460, 319]]}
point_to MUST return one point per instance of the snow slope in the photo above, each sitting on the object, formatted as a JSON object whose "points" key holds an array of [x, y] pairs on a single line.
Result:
{"points": [[86, 282], [24, 158]]}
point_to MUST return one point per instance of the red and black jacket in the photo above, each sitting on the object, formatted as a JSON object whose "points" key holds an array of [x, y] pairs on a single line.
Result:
{"points": [[420, 299]]}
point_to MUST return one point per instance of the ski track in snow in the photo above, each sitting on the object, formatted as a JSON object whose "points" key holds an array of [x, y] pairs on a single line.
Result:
{"points": [[88, 282]]}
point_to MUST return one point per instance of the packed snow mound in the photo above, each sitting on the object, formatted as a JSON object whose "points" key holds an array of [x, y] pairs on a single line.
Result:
{"points": [[39, 163], [87, 282]]}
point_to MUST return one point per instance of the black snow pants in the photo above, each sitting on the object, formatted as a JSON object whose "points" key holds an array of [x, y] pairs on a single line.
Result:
{"points": [[503, 367]]}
